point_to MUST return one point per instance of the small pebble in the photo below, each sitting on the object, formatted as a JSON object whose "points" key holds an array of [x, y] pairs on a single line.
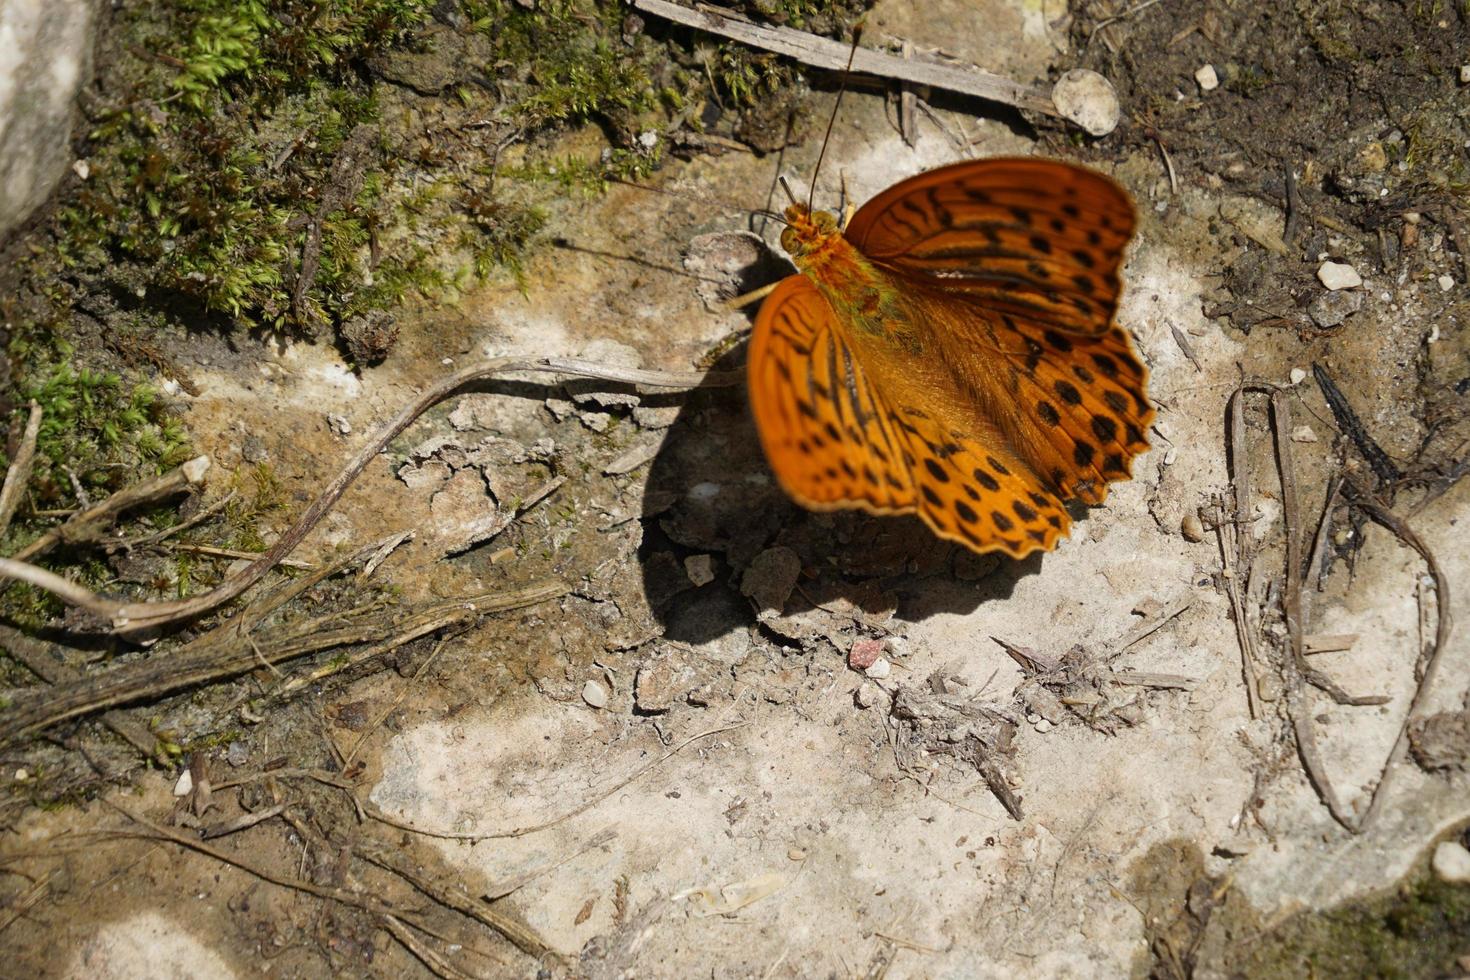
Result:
{"points": [[1033, 718], [1087, 99], [1465, 74], [866, 696], [796, 854], [1339, 275], [864, 654], [82, 169], [594, 694], [1207, 78], [185, 785], [881, 668], [1451, 862], [1303, 433], [1298, 375], [1043, 726], [22, 774], [1446, 283], [237, 754], [1191, 527], [700, 569], [1331, 309]]}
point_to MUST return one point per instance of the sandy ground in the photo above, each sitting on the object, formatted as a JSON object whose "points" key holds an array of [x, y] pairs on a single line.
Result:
{"points": [[786, 840]]}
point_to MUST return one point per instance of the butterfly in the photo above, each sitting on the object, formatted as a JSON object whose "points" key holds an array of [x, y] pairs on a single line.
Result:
{"points": [[951, 353]]}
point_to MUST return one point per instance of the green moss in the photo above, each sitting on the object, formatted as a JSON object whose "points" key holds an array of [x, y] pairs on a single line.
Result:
{"points": [[1416, 931], [96, 429]]}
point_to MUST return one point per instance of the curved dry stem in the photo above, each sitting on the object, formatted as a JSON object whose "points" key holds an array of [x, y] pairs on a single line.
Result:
{"points": [[137, 616]]}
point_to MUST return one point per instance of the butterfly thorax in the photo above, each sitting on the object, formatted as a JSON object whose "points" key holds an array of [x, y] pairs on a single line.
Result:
{"points": [[861, 295]]}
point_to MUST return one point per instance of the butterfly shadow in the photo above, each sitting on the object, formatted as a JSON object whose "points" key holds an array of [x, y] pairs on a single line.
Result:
{"points": [[722, 541]]}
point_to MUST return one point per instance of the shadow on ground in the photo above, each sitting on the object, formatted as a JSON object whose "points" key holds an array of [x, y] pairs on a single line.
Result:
{"points": [[713, 509]]}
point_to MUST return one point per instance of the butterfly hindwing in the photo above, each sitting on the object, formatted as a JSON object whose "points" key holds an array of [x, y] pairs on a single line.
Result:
{"points": [[977, 495], [1087, 396], [834, 440], [1035, 238]]}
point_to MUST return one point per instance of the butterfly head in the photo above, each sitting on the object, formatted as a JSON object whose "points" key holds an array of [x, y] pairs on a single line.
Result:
{"points": [[806, 230]]}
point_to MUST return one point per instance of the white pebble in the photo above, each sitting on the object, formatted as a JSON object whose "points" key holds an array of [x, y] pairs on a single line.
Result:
{"points": [[594, 694], [82, 169], [1087, 99], [1043, 726], [1451, 862], [1446, 283], [1207, 79], [1303, 433], [881, 668], [1298, 375], [1339, 275], [1465, 74], [185, 785]]}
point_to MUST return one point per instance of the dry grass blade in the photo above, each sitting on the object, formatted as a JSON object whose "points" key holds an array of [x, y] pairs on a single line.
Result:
{"points": [[1444, 627], [451, 895], [1293, 664], [366, 902], [821, 52], [89, 524], [228, 651], [19, 474]]}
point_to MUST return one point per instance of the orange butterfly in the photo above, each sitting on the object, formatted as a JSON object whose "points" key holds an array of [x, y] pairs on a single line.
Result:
{"points": [[952, 353]]}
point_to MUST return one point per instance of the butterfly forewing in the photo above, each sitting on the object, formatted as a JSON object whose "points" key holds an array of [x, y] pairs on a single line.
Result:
{"points": [[1033, 238], [824, 429]]}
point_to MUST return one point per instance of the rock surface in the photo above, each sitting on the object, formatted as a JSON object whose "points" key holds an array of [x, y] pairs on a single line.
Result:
{"points": [[45, 56]]}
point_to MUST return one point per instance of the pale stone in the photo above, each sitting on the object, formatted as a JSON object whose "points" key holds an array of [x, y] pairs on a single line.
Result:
{"points": [[45, 56], [1207, 78], [1451, 862], [1339, 275], [1087, 99], [594, 694]]}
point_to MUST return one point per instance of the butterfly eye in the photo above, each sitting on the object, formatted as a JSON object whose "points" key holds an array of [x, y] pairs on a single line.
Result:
{"points": [[788, 240]]}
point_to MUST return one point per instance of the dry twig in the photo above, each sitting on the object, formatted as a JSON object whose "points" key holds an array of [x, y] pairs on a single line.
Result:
{"points": [[821, 52], [127, 617], [19, 474]]}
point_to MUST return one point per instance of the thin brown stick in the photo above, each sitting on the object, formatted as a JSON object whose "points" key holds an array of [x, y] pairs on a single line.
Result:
{"points": [[454, 897], [19, 474], [223, 657], [134, 616], [24, 902], [243, 822], [209, 551], [89, 523], [159, 832], [821, 52], [437, 965], [583, 807], [510, 886], [419, 672], [1444, 626], [1293, 664], [40, 659], [204, 514]]}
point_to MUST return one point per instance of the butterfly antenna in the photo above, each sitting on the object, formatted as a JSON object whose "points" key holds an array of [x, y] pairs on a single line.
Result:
{"points": [[787, 188], [857, 33]]}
